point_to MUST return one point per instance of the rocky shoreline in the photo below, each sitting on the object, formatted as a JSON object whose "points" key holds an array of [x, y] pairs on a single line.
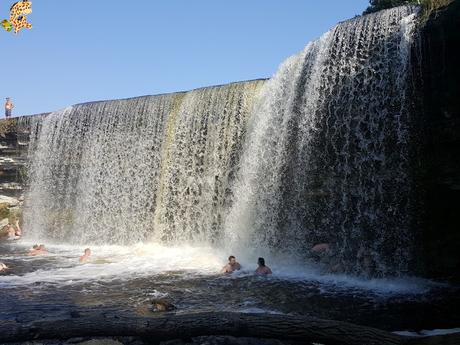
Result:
{"points": [[204, 328], [209, 340]]}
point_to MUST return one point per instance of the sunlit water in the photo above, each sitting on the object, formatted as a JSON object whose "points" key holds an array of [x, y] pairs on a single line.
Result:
{"points": [[125, 280], [319, 153]]}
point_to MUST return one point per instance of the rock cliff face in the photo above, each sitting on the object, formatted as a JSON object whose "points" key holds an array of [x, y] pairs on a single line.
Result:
{"points": [[14, 146], [13, 156], [440, 159], [437, 169]]}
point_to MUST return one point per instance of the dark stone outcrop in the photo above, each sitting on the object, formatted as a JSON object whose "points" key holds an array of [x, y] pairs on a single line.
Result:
{"points": [[13, 155], [182, 328], [439, 174]]}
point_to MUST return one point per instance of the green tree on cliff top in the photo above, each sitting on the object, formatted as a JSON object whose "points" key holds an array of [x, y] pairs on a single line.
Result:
{"points": [[377, 5]]}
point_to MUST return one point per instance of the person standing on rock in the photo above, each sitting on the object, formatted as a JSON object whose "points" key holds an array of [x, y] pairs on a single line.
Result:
{"points": [[8, 108], [17, 229]]}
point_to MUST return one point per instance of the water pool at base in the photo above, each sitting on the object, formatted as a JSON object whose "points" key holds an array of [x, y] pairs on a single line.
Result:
{"points": [[124, 280]]}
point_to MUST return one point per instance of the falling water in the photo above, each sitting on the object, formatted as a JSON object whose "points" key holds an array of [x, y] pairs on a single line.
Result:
{"points": [[319, 153], [149, 168], [326, 157]]}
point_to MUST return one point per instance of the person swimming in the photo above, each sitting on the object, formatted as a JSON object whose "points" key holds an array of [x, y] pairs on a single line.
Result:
{"points": [[3, 267], [85, 256], [321, 248], [326, 254], [42, 249], [9, 231], [34, 250], [231, 266], [38, 250], [262, 269]]}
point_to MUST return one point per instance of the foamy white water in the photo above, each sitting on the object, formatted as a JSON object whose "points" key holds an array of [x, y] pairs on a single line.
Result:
{"points": [[326, 157], [112, 262]]}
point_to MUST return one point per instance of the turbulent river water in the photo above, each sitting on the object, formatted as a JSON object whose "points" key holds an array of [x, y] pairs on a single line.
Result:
{"points": [[122, 279]]}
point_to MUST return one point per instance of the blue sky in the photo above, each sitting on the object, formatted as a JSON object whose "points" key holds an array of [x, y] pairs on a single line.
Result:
{"points": [[85, 50]]}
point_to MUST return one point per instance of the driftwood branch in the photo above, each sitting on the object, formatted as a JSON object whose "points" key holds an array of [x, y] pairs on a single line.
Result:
{"points": [[175, 326]]}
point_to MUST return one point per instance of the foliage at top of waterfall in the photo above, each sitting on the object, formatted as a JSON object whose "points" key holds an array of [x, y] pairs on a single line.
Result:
{"points": [[427, 5], [378, 5]]}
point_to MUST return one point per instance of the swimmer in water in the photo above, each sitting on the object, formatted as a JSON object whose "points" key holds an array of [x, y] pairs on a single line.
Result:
{"points": [[321, 248], [262, 270], [232, 265], [3, 267], [34, 250], [42, 249], [85, 256], [9, 231], [38, 250]]}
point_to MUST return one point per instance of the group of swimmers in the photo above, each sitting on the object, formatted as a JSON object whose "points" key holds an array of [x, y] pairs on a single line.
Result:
{"points": [[40, 249], [229, 268], [233, 266]]}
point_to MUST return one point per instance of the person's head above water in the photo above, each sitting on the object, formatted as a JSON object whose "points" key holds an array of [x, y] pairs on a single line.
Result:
{"points": [[85, 256], [41, 246], [36, 246], [261, 262], [231, 266]]}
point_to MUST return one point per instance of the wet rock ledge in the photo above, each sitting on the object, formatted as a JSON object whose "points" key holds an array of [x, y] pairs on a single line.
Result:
{"points": [[204, 328]]}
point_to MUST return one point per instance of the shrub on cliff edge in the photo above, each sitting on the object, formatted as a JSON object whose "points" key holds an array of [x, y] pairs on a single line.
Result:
{"points": [[428, 6]]}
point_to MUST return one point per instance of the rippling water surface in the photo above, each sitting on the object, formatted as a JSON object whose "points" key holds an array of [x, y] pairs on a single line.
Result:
{"points": [[126, 279]]}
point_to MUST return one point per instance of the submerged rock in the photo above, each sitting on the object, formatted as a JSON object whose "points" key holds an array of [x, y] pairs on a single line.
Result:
{"points": [[100, 342], [156, 305], [162, 305]]}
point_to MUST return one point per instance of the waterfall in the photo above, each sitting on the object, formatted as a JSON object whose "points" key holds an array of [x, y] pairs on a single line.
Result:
{"points": [[148, 168], [326, 155], [319, 153]]}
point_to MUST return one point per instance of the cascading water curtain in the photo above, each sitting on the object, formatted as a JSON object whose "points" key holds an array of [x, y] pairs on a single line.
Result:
{"points": [[154, 168], [319, 153], [326, 154]]}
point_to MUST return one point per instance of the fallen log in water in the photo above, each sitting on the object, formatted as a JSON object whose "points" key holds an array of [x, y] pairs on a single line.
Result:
{"points": [[185, 326]]}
